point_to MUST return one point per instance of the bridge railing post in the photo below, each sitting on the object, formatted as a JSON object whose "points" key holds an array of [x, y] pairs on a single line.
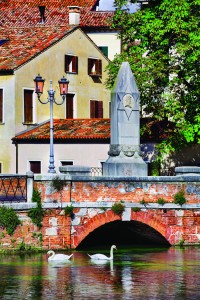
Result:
{"points": [[30, 176]]}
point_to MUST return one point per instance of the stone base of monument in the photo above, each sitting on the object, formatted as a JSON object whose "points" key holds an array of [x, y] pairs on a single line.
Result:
{"points": [[187, 171], [75, 170], [125, 167]]}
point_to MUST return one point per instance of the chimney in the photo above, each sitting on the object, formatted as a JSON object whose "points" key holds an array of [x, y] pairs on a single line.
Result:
{"points": [[74, 15]]}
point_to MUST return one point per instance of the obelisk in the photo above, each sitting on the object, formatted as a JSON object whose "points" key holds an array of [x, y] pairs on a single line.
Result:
{"points": [[124, 153]]}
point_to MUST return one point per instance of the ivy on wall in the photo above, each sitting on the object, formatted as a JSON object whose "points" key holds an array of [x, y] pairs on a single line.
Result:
{"points": [[8, 219], [36, 214]]}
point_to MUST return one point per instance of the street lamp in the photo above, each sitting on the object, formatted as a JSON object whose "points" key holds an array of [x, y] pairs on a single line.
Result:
{"points": [[39, 85]]}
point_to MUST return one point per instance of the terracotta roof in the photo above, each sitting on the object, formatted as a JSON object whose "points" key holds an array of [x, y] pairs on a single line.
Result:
{"points": [[82, 3], [67, 129], [155, 130], [27, 36], [12, 15], [26, 43], [96, 19]]}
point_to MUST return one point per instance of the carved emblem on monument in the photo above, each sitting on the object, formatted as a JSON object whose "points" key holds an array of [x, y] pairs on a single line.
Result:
{"points": [[128, 101]]}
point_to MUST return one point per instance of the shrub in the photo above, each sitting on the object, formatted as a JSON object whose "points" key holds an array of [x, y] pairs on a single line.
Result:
{"points": [[179, 198], [69, 210], [118, 208], [143, 202], [161, 201], [8, 219], [36, 214], [136, 209], [58, 184]]}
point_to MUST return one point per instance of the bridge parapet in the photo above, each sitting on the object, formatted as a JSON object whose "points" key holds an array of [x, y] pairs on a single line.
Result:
{"points": [[126, 189]]}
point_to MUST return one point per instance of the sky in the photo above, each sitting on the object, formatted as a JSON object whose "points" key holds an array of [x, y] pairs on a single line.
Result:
{"points": [[108, 5]]}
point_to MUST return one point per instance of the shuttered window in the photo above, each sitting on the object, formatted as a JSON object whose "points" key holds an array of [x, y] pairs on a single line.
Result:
{"points": [[94, 67], [28, 106], [1, 105], [96, 109], [71, 64], [70, 106]]}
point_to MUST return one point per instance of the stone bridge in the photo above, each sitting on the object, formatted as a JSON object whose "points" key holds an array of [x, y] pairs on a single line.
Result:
{"points": [[92, 199]]}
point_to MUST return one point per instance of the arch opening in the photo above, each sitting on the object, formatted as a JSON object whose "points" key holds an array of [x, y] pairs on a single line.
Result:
{"points": [[124, 233]]}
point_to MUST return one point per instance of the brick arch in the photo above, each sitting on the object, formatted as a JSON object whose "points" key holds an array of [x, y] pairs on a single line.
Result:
{"points": [[148, 217]]}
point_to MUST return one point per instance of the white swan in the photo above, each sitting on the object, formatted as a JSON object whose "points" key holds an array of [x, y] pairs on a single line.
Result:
{"points": [[58, 257], [102, 256]]}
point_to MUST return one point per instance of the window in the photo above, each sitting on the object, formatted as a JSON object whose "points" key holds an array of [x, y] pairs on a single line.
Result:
{"points": [[94, 67], [1, 105], [104, 49], [96, 109], [3, 42], [28, 106], [70, 106], [71, 64], [66, 163], [110, 109], [0, 167], [35, 166]]}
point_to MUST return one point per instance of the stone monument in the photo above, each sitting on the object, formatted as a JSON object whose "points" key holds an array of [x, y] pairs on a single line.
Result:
{"points": [[124, 153]]}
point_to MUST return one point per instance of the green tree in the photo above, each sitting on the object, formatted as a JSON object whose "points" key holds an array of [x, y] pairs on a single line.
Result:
{"points": [[162, 45]]}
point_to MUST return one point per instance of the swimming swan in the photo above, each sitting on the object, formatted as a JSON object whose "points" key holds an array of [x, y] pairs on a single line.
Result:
{"points": [[102, 256], [57, 257]]}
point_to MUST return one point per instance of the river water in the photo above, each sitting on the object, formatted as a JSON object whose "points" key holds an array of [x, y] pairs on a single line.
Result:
{"points": [[135, 273]]}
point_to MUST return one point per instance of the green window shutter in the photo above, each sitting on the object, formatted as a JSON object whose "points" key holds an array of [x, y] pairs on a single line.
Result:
{"points": [[104, 49]]}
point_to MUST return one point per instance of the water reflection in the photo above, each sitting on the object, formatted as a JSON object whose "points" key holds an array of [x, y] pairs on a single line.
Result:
{"points": [[134, 274]]}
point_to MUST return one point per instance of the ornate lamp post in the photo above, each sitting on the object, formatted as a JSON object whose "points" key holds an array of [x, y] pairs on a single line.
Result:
{"points": [[39, 85]]}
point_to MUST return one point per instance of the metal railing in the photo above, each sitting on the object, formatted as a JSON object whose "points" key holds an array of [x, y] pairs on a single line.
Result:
{"points": [[13, 188], [95, 171]]}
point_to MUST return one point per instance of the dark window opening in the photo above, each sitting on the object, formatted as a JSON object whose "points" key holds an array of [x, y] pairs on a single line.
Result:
{"points": [[94, 67], [3, 41], [70, 106], [42, 11], [35, 166], [96, 109], [28, 106], [109, 109], [0, 168], [66, 163], [71, 64]]}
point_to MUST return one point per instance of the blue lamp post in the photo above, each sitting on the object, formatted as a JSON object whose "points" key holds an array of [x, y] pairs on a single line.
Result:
{"points": [[39, 85]]}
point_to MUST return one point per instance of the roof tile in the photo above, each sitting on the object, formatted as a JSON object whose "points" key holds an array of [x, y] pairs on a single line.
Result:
{"points": [[21, 25], [68, 129]]}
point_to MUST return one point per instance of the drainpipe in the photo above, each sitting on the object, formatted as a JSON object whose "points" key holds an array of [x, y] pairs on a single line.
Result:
{"points": [[16, 158]]}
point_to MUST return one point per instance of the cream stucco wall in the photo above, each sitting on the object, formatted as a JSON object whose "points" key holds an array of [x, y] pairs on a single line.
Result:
{"points": [[50, 64], [108, 39], [85, 155], [7, 128]]}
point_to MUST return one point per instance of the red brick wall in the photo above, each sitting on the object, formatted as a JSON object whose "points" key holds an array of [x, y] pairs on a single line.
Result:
{"points": [[59, 232], [127, 191]]}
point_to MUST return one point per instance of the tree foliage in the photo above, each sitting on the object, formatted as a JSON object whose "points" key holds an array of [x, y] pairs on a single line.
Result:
{"points": [[162, 45]]}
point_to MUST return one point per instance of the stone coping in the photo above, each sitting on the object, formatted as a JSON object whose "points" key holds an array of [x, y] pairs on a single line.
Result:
{"points": [[178, 178], [100, 204], [187, 170]]}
